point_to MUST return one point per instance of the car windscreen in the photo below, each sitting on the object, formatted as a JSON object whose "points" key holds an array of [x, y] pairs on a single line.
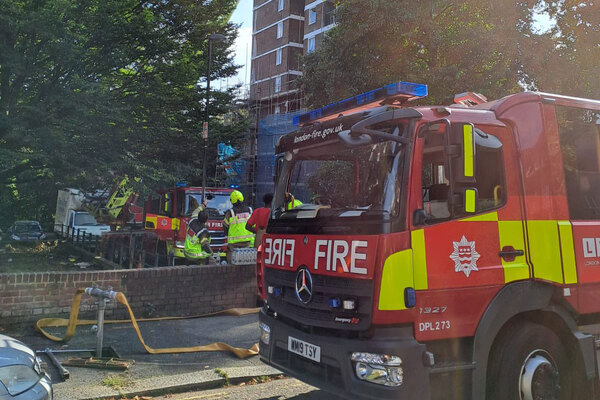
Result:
{"points": [[84, 219], [25, 227]]}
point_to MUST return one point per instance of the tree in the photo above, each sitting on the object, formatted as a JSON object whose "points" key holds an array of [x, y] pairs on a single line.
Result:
{"points": [[90, 89], [565, 59], [494, 48]]}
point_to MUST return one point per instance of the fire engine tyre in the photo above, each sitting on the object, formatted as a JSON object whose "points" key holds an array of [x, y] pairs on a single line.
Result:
{"points": [[530, 363]]}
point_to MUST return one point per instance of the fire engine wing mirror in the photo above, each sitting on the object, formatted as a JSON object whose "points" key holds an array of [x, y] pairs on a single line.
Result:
{"points": [[354, 139], [419, 217], [460, 142], [360, 134], [277, 169]]}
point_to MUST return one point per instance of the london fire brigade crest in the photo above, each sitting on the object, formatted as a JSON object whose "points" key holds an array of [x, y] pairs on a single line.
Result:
{"points": [[465, 256]]}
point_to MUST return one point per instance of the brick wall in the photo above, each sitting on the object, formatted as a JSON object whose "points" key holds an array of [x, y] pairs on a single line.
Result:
{"points": [[174, 291]]}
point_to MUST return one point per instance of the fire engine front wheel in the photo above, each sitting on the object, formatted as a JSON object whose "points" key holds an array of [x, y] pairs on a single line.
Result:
{"points": [[529, 363]]}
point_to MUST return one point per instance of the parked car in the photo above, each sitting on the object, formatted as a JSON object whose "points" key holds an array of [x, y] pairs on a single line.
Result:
{"points": [[26, 230], [21, 375]]}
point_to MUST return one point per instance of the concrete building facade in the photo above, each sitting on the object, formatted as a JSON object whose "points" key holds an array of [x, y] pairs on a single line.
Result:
{"points": [[283, 31]]}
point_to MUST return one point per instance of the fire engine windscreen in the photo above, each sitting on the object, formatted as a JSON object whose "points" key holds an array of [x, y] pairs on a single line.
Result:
{"points": [[333, 180], [218, 204]]}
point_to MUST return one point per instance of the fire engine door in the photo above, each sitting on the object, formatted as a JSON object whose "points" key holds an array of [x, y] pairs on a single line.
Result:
{"points": [[459, 241]]}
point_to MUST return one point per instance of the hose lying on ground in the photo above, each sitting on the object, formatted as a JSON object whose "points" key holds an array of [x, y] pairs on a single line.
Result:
{"points": [[73, 321]]}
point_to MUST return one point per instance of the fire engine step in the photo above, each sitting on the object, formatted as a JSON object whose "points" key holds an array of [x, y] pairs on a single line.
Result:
{"points": [[449, 366]]}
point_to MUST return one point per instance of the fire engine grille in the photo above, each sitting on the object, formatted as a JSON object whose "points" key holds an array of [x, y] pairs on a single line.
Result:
{"points": [[318, 312], [217, 240]]}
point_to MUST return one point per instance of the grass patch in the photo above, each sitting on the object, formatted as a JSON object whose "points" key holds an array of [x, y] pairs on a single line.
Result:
{"points": [[263, 379], [223, 375], [117, 382]]}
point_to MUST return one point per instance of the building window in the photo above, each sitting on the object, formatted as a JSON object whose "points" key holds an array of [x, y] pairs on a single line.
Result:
{"points": [[277, 84], [312, 16], [278, 58], [328, 13], [280, 5], [311, 45], [279, 30]]}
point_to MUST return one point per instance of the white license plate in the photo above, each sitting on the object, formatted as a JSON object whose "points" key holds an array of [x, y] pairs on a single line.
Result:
{"points": [[304, 349]]}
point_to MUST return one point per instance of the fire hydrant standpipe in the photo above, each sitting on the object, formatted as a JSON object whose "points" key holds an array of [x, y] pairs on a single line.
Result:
{"points": [[103, 296]]}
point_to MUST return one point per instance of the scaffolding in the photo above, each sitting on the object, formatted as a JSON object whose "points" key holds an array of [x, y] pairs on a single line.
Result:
{"points": [[274, 109], [271, 111]]}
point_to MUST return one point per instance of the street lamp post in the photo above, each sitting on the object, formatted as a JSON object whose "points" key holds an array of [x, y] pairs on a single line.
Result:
{"points": [[216, 37]]}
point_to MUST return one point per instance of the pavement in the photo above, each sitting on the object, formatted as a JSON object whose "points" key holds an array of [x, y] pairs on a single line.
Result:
{"points": [[152, 375]]}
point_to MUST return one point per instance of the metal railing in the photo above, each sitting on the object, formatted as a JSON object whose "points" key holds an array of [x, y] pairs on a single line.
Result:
{"points": [[78, 237]]}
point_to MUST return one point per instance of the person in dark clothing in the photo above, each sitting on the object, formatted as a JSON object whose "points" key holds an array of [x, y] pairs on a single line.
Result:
{"points": [[197, 238]]}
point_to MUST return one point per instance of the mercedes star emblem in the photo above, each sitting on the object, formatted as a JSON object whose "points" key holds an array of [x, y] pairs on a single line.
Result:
{"points": [[304, 285]]}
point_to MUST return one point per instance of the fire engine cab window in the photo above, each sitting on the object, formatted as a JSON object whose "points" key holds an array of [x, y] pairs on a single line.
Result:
{"points": [[358, 182], [436, 185], [579, 132], [217, 204]]}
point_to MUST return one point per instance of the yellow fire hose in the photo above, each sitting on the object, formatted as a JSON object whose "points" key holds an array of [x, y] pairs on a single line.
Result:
{"points": [[73, 321]]}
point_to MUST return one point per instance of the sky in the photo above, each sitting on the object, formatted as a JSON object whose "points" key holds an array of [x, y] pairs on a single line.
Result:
{"points": [[243, 45]]}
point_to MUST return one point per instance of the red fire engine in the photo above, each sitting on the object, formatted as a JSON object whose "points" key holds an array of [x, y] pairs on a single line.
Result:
{"points": [[168, 213], [439, 251], [165, 217]]}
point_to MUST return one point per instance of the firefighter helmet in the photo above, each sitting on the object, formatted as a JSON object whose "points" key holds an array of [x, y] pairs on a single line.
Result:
{"points": [[236, 196]]}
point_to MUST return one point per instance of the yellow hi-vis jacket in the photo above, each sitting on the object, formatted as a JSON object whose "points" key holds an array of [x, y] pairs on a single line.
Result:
{"points": [[194, 243], [293, 204], [237, 227]]}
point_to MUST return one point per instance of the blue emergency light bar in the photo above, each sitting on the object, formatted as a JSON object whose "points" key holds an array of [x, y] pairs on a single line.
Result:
{"points": [[399, 91]]}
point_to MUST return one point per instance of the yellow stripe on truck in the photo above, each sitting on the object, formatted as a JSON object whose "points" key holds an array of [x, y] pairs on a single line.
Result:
{"points": [[489, 217], [468, 149], [397, 275], [568, 251], [544, 250], [511, 234], [419, 259], [153, 220]]}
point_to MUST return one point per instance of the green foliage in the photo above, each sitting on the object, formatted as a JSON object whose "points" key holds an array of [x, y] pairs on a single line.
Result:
{"points": [[90, 89], [494, 48]]}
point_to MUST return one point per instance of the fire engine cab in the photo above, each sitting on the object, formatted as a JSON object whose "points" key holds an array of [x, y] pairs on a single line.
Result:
{"points": [[430, 252]]}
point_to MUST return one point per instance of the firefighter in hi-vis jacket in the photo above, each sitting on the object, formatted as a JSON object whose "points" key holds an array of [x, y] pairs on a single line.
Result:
{"points": [[234, 224], [197, 238]]}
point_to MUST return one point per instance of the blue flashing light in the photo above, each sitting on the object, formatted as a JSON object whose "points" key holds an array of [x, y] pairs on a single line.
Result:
{"points": [[406, 91], [277, 291], [410, 297], [334, 302], [366, 98], [233, 186], [181, 184]]}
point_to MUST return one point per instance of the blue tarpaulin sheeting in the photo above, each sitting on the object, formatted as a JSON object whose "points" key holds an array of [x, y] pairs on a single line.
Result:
{"points": [[269, 131], [234, 167]]}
